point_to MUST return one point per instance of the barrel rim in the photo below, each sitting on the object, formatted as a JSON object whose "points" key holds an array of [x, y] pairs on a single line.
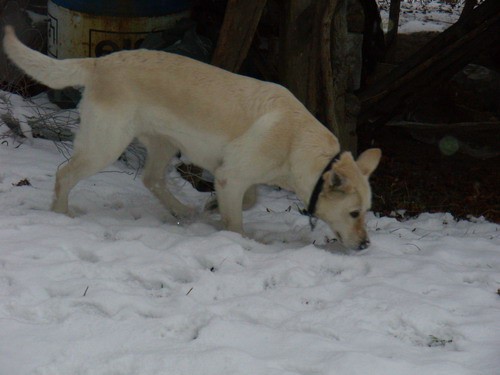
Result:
{"points": [[129, 8]]}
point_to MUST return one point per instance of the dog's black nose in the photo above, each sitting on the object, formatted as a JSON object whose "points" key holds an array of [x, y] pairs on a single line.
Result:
{"points": [[364, 244]]}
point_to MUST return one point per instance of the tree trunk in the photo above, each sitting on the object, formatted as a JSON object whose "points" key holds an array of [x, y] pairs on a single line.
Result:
{"points": [[238, 29], [338, 73], [297, 48]]}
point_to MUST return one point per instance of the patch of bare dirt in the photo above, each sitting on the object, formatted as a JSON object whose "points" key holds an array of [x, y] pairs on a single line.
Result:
{"points": [[418, 177]]}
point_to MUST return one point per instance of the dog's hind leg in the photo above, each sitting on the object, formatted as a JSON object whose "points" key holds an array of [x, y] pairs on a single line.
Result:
{"points": [[99, 142], [160, 152]]}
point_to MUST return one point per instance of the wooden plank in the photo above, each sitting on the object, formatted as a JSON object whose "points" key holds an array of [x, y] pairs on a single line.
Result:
{"points": [[392, 31], [334, 87], [337, 65], [440, 126], [238, 29], [297, 45], [468, 8]]}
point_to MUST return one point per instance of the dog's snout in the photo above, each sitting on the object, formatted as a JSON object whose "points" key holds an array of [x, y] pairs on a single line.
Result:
{"points": [[364, 244]]}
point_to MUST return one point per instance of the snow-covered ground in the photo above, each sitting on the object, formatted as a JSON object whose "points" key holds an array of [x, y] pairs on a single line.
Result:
{"points": [[422, 15], [123, 289]]}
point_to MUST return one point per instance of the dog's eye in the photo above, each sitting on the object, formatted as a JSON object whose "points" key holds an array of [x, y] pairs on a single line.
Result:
{"points": [[354, 214]]}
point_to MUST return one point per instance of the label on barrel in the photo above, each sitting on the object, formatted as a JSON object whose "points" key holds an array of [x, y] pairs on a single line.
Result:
{"points": [[52, 33], [104, 42], [76, 34]]}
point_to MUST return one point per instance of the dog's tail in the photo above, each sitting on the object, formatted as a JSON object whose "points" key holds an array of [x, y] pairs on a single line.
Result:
{"points": [[53, 73]]}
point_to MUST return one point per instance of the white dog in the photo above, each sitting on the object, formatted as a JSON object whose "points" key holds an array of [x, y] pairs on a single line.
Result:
{"points": [[244, 131]]}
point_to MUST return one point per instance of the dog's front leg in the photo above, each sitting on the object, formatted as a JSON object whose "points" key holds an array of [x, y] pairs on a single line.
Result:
{"points": [[230, 193]]}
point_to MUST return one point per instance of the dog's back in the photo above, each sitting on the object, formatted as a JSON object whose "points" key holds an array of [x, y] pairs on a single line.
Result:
{"points": [[193, 91]]}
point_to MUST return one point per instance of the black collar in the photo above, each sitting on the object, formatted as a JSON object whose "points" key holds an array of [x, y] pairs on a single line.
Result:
{"points": [[311, 208]]}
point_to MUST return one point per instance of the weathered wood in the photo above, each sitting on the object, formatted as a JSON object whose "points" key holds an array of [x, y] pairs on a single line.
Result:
{"points": [[392, 31], [432, 65], [334, 107], [468, 8], [297, 47], [440, 126], [339, 84], [374, 45], [238, 29], [315, 67], [314, 97]]}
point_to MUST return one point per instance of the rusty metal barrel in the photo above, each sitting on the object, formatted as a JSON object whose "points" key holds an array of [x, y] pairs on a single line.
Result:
{"points": [[93, 28]]}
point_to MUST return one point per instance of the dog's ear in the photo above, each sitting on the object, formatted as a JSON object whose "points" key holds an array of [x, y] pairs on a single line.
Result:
{"points": [[332, 180], [368, 160], [339, 177]]}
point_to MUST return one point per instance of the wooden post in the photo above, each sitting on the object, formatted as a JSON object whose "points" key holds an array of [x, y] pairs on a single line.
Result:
{"points": [[468, 8], [238, 29], [334, 106], [392, 31], [341, 111], [297, 46]]}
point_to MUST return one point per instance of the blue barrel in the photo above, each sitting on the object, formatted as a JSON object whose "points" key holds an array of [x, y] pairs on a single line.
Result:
{"points": [[93, 28], [126, 8]]}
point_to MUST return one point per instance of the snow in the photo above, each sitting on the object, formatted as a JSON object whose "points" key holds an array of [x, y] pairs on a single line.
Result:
{"points": [[122, 288], [422, 15]]}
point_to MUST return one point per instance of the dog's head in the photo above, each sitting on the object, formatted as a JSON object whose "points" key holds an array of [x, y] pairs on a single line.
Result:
{"points": [[346, 196]]}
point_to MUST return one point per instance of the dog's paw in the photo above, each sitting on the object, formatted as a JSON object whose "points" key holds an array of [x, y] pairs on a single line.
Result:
{"points": [[76, 212], [65, 210]]}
